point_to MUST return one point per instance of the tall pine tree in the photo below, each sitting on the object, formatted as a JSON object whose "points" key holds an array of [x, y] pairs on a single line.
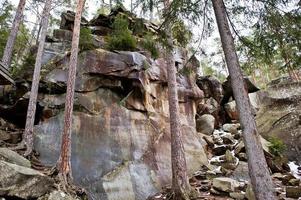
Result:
{"points": [[64, 162], [28, 134], [258, 169], [180, 183], [8, 51]]}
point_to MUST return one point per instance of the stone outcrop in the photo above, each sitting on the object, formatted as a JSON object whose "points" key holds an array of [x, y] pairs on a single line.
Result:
{"points": [[279, 116], [120, 137], [22, 182]]}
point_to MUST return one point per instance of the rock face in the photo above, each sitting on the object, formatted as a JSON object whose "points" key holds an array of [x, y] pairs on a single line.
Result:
{"points": [[279, 116], [120, 137]]}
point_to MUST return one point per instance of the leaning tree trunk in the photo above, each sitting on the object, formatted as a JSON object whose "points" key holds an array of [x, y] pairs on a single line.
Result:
{"points": [[8, 51], [28, 134], [258, 169], [64, 163], [180, 183]]}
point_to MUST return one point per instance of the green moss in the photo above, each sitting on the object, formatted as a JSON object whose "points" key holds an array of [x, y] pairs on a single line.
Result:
{"points": [[277, 147], [121, 38]]}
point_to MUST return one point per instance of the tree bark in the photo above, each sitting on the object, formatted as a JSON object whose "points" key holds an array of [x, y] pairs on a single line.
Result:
{"points": [[31, 111], [258, 169], [64, 163], [180, 184], [9, 47]]}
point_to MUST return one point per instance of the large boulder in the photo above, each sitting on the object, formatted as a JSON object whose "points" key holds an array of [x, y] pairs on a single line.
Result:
{"points": [[12, 157], [205, 124], [120, 137], [279, 116], [225, 184], [22, 182]]}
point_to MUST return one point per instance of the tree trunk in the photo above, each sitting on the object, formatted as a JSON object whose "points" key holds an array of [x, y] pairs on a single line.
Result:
{"points": [[180, 183], [28, 134], [258, 169], [64, 163], [9, 47]]}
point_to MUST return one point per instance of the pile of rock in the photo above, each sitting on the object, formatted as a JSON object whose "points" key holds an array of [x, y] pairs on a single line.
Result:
{"points": [[227, 172]]}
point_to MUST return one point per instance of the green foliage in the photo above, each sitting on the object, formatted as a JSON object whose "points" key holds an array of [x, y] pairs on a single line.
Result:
{"points": [[22, 37], [86, 39], [209, 70], [275, 41], [149, 44], [121, 38], [28, 63], [5, 21], [277, 147], [181, 33]]}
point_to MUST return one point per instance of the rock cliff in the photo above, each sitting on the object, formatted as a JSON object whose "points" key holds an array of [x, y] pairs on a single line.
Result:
{"points": [[120, 138]]}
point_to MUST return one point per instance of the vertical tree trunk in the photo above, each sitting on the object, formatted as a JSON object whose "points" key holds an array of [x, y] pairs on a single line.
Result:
{"points": [[64, 163], [258, 169], [180, 183], [9, 47], [28, 134]]}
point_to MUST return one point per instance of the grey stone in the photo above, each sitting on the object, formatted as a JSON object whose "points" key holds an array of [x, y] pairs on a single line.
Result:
{"points": [[4, 135], [238, 195], [231, 128], [241, 172], [225, 184], [59, 195], [205, 124], [23, 182], [250, 195], [231, 110], [293, 192], [13, 157]]}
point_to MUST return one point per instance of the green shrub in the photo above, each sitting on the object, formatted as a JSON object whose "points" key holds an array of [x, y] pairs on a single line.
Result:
{"points": [[121, 38], [181, 33], [85, 39], [149, 44], [277, 146], [28, 64]]}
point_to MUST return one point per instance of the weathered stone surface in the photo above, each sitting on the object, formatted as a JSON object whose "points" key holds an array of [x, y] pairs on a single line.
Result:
{"points": [[231, 128], [205, 124], [228, 88], [293, 192], [22, 182], [231, 110], [279, 116], [225, 184], [59, 195], [12, 157], [250, 195], [4, 135], [67, 20], [211, 87], [241, 172], [238, 195], [120, 138]]}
